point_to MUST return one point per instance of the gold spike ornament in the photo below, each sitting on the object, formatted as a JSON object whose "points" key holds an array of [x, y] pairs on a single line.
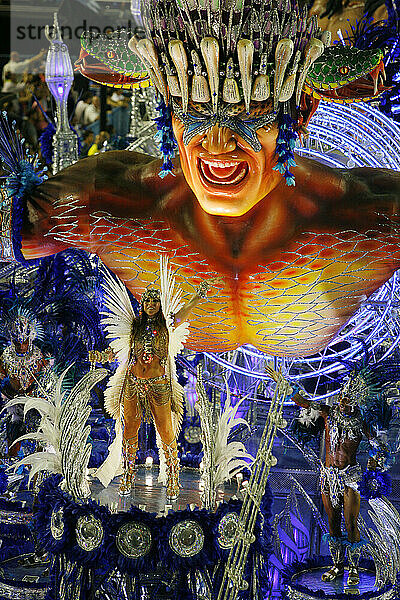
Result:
{"points": [[283, 54], [146, 50], [261, 87], [210, 50], [290, 81], [230, 90], [245, 52], [172, 80], [178, 54], [200, 90], [313, 50]]}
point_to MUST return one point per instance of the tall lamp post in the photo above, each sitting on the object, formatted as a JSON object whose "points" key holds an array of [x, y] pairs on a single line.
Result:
{"points": [[135, 10], [59, 77]]}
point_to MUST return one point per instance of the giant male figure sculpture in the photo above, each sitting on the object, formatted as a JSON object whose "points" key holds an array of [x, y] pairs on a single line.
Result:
{"points": [[237, 81]]}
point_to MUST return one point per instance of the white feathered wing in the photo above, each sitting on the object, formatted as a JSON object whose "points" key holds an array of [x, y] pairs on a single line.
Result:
{"points": [[64, 432], [171, 303], [117, 320], [221, 460], [229, 458]]}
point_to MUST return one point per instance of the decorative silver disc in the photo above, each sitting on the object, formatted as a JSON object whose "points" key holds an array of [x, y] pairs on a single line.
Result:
{"points": [[89, 532], [227, 529], [133, 540], [192, 435], [186, 538], [57, 524]]}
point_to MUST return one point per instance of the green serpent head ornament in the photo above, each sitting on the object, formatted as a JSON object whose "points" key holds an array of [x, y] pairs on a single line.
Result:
{"points": [[106, 58], [346, 74]]}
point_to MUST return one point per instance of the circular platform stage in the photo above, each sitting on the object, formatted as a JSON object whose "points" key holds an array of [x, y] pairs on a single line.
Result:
{"points": [[22, 578], [339, 586], [307, 585], [150, 495]]}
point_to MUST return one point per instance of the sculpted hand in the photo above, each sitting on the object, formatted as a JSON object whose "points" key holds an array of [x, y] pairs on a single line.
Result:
{"points": [[206, 285], [283, 384], [272, 373]]}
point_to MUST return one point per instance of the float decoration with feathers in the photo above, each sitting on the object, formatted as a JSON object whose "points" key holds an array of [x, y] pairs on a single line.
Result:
{"points": [[63, 432], [221, 460]]}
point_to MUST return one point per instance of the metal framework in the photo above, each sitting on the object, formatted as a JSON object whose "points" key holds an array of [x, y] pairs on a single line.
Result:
{"points": [[347, 136]]}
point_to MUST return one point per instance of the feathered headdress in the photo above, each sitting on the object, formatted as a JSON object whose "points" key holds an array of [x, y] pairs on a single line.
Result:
{"points": [[23, 318], [24, 326], [361, 387], [151, 294], [365, 385]]}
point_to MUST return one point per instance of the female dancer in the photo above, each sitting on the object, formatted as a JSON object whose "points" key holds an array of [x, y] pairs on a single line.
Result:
{"points": [[148, 389], [144, 385]]}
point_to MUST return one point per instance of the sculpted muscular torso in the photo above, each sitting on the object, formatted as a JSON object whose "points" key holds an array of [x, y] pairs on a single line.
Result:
{"points": [[296, 261]]}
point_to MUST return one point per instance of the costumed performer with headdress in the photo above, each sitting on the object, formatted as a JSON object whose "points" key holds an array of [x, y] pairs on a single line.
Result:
{"points": [[346, 423], [145, 385], [23, 366]]}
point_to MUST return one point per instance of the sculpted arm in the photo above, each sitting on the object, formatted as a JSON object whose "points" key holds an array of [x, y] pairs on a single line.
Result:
{"points": [[120, 183], [371, 199], [295, 396], [299, 398], [198, 296]]}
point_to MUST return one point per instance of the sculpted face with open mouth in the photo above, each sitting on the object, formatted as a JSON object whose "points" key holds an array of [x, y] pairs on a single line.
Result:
{"points": [[227, 159]]}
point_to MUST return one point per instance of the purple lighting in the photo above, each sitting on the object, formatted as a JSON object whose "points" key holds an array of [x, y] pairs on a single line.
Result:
{"points": [[59, 78], [59, 71]]}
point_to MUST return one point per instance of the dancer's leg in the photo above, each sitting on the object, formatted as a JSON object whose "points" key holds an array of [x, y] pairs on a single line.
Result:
{"points": [[163, 421], [351, 506], [336, 547], [132, 417]]}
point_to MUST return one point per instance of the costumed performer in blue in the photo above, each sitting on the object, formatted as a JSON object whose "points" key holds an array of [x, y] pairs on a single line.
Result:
{"points": [[24, 369], [345, 423], [144, 384]]}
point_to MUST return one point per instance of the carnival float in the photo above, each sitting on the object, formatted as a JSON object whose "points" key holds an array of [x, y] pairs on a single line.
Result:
{"points": [[199, 364]]}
